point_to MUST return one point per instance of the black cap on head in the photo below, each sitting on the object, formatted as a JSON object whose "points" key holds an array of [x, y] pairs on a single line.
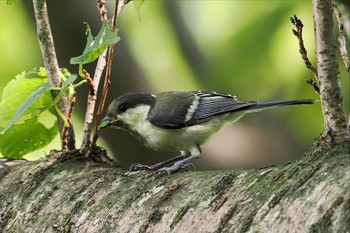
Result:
{"points": [[130, 100]]}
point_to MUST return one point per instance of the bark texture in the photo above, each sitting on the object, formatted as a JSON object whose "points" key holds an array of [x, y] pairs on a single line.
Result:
{"points": [[75, 194], [328, 72], [51, 64]]}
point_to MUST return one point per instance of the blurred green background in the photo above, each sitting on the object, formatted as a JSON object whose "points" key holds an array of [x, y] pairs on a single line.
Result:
{"points": [[241, 47]]}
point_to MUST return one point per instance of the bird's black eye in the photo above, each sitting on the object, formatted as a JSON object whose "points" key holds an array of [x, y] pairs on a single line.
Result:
{"points": [[122, 108]]}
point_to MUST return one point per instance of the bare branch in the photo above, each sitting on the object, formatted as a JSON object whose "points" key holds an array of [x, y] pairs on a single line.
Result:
{"points": [[303, 52], [51, 64], [92, 97], [65, 130], [91, 102], [342, 39]]}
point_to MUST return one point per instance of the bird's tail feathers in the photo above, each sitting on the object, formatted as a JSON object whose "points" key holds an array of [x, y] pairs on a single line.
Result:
{"points": [[272, 104]]}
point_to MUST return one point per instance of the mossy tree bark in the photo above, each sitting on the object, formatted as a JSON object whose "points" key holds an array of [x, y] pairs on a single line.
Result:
{"points": [[335, 122], [74, 194]]}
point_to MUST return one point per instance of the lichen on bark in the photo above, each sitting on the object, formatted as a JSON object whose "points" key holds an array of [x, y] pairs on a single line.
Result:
{"points": [[79, 195]]}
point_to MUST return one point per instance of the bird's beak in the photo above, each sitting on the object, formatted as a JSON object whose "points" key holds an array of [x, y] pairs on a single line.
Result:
{"points": [[106, 121]]}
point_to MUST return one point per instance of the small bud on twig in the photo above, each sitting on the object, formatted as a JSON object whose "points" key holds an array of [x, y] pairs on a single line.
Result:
{"points": [[90, 82], [299, 34]]}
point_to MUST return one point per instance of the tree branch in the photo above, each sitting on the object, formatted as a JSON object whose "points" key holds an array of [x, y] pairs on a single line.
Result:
{"points": [[328, 73], [342, 39], [303, 52], [65, 130], [75, 194], [51, 64], [92, 97], [107, 81], [85, 148]]}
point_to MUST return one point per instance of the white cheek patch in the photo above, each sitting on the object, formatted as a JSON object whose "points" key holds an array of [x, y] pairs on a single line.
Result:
{"points": [[135, 115], [192, 109]]}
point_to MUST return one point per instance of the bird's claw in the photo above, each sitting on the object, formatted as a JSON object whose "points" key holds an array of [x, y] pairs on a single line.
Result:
{"points": [[159, 171], [174, 168], [139, 167]]}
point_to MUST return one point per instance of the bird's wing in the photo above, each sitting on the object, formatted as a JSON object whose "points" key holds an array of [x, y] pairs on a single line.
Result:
{"points": [[183, 109]]}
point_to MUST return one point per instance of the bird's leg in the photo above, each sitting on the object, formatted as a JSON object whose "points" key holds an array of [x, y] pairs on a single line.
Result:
{"points": [[184, 163], [155, 167]]}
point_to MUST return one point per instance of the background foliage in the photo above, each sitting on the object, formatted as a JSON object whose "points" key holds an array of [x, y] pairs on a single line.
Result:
{"points": [[242, 47]]}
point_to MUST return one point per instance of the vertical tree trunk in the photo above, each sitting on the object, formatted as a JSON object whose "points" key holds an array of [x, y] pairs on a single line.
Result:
{"points": [[328, 72]]}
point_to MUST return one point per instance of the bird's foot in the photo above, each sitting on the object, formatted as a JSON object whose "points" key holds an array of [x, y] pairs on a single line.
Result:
{"points": [[155, 167], [142, 167], [175, 168], [160, 168]]}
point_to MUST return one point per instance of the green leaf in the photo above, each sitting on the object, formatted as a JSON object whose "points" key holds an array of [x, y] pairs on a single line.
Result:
{"points": [[34, 96], [96, 46], [65, 85], [69, 81], [24, 98], [11, 2], [17, 91], [24, 138]]}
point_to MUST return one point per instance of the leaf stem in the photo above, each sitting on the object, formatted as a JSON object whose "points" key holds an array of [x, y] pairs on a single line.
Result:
{"points": [[61, 115], [81, 73], [79, 83]]}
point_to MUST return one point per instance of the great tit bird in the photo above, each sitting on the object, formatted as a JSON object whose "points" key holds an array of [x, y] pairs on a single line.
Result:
{"points": [[181, 121]]}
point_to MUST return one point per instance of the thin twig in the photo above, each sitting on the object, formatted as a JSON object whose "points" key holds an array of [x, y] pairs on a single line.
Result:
{"points": [[101, 6], [107, 82], [65, 130], [92, 97], [299, 34], [51, 64], [341, 38], [303, 52], [313, 83]]}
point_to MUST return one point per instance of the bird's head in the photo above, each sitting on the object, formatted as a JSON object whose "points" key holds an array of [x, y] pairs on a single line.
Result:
{"points": [[128, 109]]}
